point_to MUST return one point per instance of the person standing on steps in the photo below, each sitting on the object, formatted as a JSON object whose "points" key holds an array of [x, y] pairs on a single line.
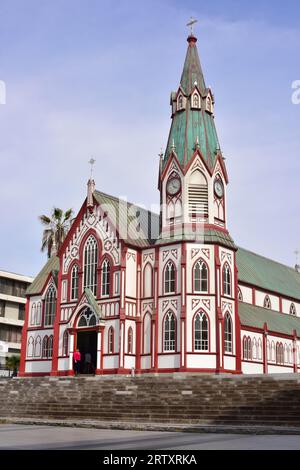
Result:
{"points": [[77, 361]]}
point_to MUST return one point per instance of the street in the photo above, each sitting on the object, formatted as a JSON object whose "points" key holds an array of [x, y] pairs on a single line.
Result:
{"points": [[25, 437]]}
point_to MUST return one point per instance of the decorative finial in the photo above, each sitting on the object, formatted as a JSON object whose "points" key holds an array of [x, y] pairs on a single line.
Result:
{"points": [[173, 145], [161, 154], [197, 143], [92, 163], [191, 23]]}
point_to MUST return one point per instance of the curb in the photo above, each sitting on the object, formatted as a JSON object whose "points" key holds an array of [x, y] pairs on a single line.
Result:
{"points": [[158, 427]]}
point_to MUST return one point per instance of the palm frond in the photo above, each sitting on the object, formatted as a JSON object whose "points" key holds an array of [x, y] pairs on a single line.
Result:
{"points": [[44, 219]]}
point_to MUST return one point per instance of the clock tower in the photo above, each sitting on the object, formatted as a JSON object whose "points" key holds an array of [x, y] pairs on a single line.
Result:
{"points": [[192, 176], [193, 218]]}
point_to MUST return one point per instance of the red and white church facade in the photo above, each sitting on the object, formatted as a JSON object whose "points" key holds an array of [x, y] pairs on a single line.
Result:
{"points": [[169, 292]]}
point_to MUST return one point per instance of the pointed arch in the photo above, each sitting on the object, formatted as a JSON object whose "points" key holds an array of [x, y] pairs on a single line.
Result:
{"points": [[254, 348], [45, 347], [50, 305], [130, 341], [227, 280], [259, 349], [247, 350], [75, 282], [293, 310], [170, 278], [37, 346], [111, 341], [267, 302], [39, 313], [90, 263], [105, 277], [169, 332], [201, 332], [279, 354], [30, 347], [33, 314], [200, 276], [148, 281], [147, 334], [65, 345], [228, 334]]}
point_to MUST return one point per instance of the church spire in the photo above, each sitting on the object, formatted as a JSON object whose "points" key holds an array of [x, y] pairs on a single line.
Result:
{"points": [[193, 114]]}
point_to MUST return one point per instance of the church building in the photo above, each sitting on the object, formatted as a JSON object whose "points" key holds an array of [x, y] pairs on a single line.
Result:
{"points": [[168, 292]]}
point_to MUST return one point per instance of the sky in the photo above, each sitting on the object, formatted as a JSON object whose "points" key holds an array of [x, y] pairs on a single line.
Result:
{"points": [[93, 78]]}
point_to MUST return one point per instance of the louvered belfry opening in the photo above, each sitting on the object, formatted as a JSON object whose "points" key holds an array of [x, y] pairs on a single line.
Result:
{"points": [[198, 196]]}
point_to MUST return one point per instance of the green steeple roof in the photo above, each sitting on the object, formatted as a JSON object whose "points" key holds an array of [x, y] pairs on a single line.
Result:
{"points": [[190, 125]]}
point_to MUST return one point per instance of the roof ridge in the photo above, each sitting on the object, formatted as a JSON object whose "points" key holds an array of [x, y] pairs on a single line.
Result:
{"points": [[128, 202], [268, 259]]}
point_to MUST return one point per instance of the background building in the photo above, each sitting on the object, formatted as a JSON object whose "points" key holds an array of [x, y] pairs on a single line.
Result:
{"points": [[12, 312]]}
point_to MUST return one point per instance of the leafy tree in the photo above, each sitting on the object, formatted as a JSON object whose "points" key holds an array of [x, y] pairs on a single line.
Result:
{"points": [[56, 229]]}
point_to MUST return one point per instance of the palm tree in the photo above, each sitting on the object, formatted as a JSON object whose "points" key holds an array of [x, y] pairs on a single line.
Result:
{"points": [[12, 363], [57, 227]]}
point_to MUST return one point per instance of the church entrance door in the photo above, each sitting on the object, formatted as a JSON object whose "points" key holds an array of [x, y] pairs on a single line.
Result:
{"points": [[87, 345]]}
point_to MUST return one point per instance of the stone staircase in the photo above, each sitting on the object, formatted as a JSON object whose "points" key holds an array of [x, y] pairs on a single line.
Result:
{"points": [[171, 399]]}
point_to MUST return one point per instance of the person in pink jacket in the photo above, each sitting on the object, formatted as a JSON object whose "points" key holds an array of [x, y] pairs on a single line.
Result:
{"points": [[77, 361]]}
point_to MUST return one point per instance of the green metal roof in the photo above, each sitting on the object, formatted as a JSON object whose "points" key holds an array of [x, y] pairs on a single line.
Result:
{"points": [[209, 236], [267, 274], [190, 125], [136, 226], [253, 316], [38, 284]]}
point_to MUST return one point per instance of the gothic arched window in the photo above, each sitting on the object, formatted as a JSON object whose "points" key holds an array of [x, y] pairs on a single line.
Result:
{"points": [[196, 101], [247, 348], [170, 278], [228, 333], [201, 332], [200, 277], [91, 264], [74, 283], [227, 280], [209, 104], [65, 343], [130, 341], [148, 280], [111, 338], [180, 102], [33, 315], [267, 302], [45, 347], [50, 306], [50, 346], [38, 313], [30, 347], [37, 347], [105, 277], [169, 332], [279, 354], [293, 310]]}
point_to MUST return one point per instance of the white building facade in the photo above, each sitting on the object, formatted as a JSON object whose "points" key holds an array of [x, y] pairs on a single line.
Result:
{"points": [[169, 292]]}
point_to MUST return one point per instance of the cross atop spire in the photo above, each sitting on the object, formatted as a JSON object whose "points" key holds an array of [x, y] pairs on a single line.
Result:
{"points": [[191, 23], [92, 163]]}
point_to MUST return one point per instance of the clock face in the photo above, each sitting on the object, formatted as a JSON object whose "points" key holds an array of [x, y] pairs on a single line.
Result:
{"points": [[173, 186], [219, 188]]}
